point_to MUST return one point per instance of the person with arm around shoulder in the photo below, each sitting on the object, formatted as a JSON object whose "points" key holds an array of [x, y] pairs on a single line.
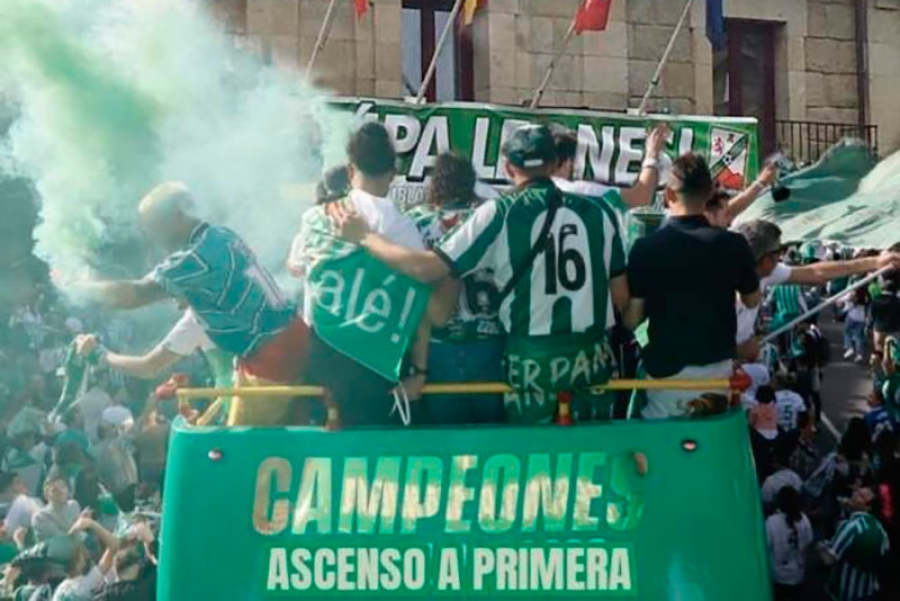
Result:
{"points": [[558, 293]]}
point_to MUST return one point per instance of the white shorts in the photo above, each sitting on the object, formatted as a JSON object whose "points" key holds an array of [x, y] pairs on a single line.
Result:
{"points": [[662, 404]]}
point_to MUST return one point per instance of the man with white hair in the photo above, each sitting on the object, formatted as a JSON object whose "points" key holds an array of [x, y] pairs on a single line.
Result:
{"points": [[234, 298]]}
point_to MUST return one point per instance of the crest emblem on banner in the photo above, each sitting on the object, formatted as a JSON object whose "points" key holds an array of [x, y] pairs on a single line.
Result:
{"points": [[729, 157]]}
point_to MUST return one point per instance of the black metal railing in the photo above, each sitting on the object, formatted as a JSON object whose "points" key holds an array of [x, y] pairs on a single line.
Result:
{"points": [[805, 141]]}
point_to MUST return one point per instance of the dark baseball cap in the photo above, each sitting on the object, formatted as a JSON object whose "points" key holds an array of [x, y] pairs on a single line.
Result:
{"points": [[530, 147]]}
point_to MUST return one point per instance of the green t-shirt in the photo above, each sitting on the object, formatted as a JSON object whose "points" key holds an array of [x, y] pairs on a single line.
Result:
{"points": [[789, 303], [861, 547], [476, 315]]}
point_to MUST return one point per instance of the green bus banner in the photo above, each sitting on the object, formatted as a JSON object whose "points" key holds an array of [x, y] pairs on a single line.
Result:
{"points": [[517, 513], [610, 145]]}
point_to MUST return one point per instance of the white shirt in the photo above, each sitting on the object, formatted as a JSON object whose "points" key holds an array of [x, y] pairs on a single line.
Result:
{"points": [[856, 313], [777, 481], [21, 513], [746, 318], [80, 587], [789, 405], [759, 376], [486, 191], [582, 187], [787, 548], [384, 218], [92, 404], [187, 336]]}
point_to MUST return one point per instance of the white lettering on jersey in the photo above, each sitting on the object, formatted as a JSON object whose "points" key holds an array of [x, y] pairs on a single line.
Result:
{"points": [[562, 271]]}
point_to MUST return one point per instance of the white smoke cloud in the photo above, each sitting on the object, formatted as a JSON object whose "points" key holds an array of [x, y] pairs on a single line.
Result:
{"points": [[117, 95]]}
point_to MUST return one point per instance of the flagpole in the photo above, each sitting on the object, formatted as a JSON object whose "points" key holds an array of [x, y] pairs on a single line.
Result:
{"points": [[654, 81], [826, 303], [539, 93], [324, 32], [429, 75]]}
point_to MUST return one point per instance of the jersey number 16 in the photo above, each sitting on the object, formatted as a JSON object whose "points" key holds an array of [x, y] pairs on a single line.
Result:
{"points": [[564, 266]]}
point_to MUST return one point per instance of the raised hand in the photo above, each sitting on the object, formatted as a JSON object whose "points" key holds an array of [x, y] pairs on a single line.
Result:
{"points": [[85, 344], [657, 139]]}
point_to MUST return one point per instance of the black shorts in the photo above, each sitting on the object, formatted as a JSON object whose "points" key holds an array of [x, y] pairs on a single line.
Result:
{"points": [[363, 396]]}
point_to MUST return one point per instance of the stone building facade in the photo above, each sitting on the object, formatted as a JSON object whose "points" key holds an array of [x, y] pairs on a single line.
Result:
{"points": [[787, 60]]}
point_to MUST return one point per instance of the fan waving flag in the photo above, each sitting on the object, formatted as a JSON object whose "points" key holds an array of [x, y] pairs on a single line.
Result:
{"points": [[468, 10], [593, 15], [715, 24], [362, 7]]}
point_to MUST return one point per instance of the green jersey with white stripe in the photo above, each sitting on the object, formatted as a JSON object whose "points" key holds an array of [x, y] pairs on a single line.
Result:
{"points": [[566, 289], [558, 313], [860, 546], [789, 301], [476, 313]]}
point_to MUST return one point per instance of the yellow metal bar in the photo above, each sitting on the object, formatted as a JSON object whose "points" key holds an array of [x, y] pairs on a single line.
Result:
{"points": [[449, 388]]}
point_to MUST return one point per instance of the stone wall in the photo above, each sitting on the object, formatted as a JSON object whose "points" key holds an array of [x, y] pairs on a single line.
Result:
{"points": [[515, 40], [831, 80], [354, 61], [884, 71], [521, 38]]}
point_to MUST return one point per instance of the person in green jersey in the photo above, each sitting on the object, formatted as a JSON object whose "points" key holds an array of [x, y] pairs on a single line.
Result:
{"points": [[469, 346], [559, 289], [857, 552]]}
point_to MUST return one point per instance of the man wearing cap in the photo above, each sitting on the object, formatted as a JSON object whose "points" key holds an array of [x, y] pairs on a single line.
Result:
{"points": [[764, 238], [559, 262]]}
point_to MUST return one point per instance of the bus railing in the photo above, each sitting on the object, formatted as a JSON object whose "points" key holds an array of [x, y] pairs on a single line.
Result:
{"points": [[739, 382]]}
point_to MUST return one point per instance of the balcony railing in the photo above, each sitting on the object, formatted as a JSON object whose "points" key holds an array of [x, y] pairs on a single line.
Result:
{"points": [[805, 141]]}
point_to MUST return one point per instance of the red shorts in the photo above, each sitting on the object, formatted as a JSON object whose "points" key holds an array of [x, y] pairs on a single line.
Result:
{"points": [[284, 359]]}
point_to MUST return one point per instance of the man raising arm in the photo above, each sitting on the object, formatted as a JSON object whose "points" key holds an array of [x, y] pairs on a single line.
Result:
{"points": [[764, 238]]}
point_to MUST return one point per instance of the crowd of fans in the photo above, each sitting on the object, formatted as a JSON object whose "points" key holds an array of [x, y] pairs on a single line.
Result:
{"points": [[539, 287], [831, 519], [79, 489]]}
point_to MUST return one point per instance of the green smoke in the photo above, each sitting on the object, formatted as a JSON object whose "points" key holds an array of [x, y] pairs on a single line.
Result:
{"points": [[114, 96]]}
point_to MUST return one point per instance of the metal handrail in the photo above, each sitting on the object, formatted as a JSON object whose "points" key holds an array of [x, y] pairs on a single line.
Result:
{"points": [[737, 382]]}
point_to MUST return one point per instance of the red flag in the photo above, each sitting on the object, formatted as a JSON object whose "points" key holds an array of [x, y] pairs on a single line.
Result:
{"points": [[362, 7], [593, 15]]}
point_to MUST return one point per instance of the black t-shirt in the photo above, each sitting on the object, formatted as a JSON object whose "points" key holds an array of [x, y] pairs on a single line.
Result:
{"points": [[687, 273]]}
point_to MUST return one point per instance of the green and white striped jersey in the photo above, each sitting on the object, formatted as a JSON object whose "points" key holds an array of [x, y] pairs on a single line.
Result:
{"points": [[789, 300], [566, 290], [860, 546], [476, 314]]}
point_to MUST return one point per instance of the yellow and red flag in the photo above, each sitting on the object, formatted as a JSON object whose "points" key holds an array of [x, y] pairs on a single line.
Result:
{"points": [[592, 15], [468, 10]]}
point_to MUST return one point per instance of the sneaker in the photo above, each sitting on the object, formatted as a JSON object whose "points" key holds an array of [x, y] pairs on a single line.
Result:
{"points": [[848, 354], [860, 360]]}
